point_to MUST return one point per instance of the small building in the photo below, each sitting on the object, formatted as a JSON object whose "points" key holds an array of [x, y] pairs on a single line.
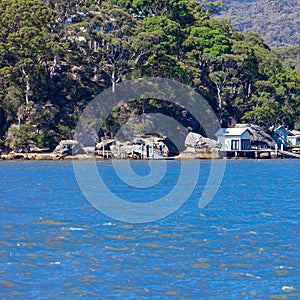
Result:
{"points": [[294, 137], [234, 139], [280, 136]]}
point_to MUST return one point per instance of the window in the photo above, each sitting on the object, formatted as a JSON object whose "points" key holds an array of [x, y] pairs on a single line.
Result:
{"points": [[235, 145], [245, 145]]}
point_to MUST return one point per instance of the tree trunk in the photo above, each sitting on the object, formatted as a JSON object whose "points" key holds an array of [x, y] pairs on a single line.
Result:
{"points": [[249, 90], [19, 118], [220, 104], [28, 87], [54, 66], [113, 81], [219, 90]]}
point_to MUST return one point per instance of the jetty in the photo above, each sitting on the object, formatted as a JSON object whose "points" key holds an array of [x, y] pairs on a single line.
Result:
{"points": [[288, 153]]}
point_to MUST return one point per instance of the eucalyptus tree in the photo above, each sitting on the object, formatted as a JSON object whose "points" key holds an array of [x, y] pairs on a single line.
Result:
{"points": [[24, 40], [110, 43]]}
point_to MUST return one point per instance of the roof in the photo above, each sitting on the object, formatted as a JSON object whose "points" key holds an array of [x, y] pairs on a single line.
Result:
{"points": [[281, 129], [231, 131], [294, 133]]}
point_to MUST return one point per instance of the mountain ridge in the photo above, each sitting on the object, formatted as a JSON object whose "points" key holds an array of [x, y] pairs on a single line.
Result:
{"points": [[276, 21]]}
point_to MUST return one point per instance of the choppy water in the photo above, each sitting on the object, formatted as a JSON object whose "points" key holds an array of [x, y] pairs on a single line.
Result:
{"points": [[243, 245]]}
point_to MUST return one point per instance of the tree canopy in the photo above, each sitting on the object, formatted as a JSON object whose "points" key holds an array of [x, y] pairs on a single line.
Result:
{"points": [[277, 21], [56, 56]]}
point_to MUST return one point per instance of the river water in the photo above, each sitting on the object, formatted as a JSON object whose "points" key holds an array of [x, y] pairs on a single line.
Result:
{"points": [[243, 245]]}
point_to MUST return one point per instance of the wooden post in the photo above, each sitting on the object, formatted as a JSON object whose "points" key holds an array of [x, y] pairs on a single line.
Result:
{"points": [[152, 150], [103, 152], [119, 152]]}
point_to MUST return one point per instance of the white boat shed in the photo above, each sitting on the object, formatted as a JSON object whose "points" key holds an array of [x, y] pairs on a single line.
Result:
{"points": [[234, 139], [294, 137]]}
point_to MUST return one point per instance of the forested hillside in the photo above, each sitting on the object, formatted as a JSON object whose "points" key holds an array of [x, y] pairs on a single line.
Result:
{"points": [[277, 21], [290, 57], [56, 56]]}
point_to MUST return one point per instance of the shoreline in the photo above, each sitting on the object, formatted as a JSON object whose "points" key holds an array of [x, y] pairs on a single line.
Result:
{"points": [[61, 157]]}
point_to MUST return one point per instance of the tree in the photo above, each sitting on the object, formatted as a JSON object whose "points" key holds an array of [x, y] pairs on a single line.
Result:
{"points": [[26, 28], [110, 43]]}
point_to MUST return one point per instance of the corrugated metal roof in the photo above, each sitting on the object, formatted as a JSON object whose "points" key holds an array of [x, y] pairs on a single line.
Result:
{"points": [[295, 132], [231, 131]]}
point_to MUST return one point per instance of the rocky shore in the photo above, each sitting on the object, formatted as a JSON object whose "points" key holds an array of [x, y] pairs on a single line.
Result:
{"points": [[194, 146], [43, 156]]}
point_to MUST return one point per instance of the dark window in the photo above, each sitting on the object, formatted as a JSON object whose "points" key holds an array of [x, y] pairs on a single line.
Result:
{"points": [[235, 145], [245, 145]]}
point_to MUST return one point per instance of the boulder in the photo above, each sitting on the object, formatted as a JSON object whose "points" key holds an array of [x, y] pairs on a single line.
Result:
{"points": [[89, 150], [196, 143], [259, 138], [39, 150], [106, 143], [137, 146], [86, 138], [68, 147], [162, 146]]}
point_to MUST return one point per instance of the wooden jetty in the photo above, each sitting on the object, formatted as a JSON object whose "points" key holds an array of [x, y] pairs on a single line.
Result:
{"points": [[261, 153], [288, 153], [251, 153]]}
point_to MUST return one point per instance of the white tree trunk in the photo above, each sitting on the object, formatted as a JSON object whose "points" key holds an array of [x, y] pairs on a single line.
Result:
{"points": [[113, 82], [28, 87], [219, 90], [54, 66], [19, 118]]}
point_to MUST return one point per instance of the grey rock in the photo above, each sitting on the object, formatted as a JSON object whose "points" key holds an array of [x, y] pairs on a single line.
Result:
{"points": [[68, 147], [196, 143], [259, 138], [106, 143], [89, 150], [39, 150]]}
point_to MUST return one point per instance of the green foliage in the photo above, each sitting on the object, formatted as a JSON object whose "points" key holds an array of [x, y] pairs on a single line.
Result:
{"points": [[290, 57], [276, 20], [41, 140], [11, 103], [20, 138], [210, 40], [54, 60]]}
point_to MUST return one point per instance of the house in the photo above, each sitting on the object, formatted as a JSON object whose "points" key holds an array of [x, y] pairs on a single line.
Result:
{"points": [[294, 137], [280, 136], [234, 139]]}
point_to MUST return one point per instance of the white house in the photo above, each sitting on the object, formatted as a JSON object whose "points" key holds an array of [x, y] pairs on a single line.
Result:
{"points": [[234, 139], [294, 137]]}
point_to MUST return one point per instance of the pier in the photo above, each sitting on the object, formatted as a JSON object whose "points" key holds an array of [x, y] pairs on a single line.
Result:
{"points": [[262, 153], [290, 154], [251, 153]]}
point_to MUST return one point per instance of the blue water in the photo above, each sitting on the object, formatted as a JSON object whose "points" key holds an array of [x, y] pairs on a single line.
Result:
{"points": [[243, 245]]}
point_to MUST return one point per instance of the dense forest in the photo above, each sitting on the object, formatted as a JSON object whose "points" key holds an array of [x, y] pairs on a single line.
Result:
{"points": [[56, 56], [277, 21]]}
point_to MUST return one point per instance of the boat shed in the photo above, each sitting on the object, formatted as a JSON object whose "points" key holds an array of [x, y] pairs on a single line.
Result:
{"points": [[280, 136], [294, 137], [234, 139]]}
